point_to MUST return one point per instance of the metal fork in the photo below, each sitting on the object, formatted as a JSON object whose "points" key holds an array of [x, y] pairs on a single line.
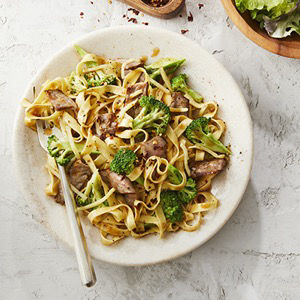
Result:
{"points": [[85, 266]]}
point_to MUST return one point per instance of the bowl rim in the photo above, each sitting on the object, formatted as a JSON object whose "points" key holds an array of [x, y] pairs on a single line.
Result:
{"points": [[18, 124]]}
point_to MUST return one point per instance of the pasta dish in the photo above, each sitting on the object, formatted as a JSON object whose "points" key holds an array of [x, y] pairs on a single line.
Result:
{"points": [[139, 145]]}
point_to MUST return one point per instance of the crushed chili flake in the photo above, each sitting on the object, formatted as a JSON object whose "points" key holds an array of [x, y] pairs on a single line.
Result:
{"points": [[133, 20], [184, 31], [145, 23], [180, 16], [156, 3], [190, 17], [135, 11], [91, 2], [124, 16], [200, 5], [81, 14]]}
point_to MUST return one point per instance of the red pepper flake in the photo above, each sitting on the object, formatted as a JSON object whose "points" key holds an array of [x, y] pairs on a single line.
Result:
{"points": [[135, 11], [180, 16], [91, 2], [200, 5], [184, 31], [156, 3], [81, 14], [133, 20], [190, 17], [124, 16], [145, 23]]}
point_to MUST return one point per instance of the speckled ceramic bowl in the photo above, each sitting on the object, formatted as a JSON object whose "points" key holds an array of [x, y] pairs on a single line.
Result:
{"points": [[208, 76]]}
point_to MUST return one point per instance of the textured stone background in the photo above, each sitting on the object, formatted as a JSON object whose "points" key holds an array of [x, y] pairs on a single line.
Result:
{"points": [[257, 253]]}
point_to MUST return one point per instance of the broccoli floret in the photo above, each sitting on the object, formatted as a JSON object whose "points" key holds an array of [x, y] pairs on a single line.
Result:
{"points": [[179, 83], [171, 206], [76, 83], [154, 116], [198, 132], [93, 192], [80, 51], [61, 151], [174, 175], [83, 53], [140, 180], [189, 192], [123, 162], [98, 78], [148, 226], [170, 65]]}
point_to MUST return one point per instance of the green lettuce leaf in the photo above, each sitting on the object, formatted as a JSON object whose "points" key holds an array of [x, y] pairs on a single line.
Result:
{"points": [[274, 8], [270, 8], [283, 26], [279, 17]]}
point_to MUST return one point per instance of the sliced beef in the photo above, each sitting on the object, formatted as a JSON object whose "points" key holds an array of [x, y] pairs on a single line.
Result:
{"points": [[105, 175], [134, 111], [203, 168], [143, 86], [132, 66], [122, 185], [130, 198], [142, 78], [79, 174], [179, 101], [108, 124], [59, 198], [196, 113], [157, 146], [60, 101]]}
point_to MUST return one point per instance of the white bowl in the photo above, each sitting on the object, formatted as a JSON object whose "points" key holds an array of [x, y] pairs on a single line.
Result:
{"points": [[209, 77]]}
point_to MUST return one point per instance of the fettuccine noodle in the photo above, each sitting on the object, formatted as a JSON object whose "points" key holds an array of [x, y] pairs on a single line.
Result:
{"points": [[126, 81]]}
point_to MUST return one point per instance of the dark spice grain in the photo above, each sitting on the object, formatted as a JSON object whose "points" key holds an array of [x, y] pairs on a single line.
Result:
{"points": [[190, 17], [156, 3], [135, 11], [133, 20]]}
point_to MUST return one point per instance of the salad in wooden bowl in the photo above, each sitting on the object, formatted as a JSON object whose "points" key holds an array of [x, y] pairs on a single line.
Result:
{"points": [[273, 25]]}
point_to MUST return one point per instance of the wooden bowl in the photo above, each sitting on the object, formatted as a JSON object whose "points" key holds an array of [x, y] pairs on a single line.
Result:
{"points": [[167, 11], [289, 47]]}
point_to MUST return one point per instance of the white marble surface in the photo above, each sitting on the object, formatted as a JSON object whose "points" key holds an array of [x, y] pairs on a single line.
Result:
{"points": [[255, 256]]}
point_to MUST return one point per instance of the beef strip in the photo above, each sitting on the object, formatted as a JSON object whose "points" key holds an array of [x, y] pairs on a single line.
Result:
{"points": [[196, 113], [179, 101], [134, 111], [143, 86], [203, 168], [157, 146], [79, 174], [130, 198], [59, 198], [108, 124], [132, 66], [122, 185], [60, 101], [142, 78]]}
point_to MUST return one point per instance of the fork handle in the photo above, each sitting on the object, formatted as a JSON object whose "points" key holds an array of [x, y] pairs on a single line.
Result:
{"points": [[85, 266]]}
